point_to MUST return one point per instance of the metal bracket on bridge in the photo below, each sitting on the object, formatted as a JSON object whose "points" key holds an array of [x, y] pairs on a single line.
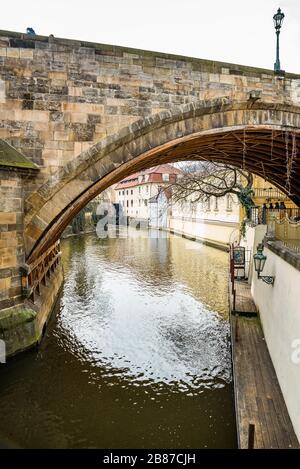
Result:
{"points": [[254, 95]]}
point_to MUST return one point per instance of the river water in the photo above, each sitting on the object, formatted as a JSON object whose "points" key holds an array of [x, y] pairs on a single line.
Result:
{"points": [[136, 354]]}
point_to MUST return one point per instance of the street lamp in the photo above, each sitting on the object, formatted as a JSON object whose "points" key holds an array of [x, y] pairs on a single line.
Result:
{"points": [[259, 264], [278, 19]]}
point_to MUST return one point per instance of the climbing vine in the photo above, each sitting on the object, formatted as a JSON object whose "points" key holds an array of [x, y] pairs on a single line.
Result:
{"points": [[245, 197]]}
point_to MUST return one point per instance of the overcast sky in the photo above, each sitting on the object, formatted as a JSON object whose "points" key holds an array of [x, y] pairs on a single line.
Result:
{"points": [[236, 31]]}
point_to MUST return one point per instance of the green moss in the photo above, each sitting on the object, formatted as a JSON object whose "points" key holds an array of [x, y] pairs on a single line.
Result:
{"points": [[15, 316], [12, 158]]}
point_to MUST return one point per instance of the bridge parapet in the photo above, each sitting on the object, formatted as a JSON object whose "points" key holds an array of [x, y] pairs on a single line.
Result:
{"points": [[62, 96]]}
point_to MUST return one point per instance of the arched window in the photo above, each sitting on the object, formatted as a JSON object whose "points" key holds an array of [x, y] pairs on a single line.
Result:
{"points": [[229, 203]]}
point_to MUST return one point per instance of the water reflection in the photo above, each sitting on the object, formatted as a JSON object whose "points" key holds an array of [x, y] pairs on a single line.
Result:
{"points": [[137, 354]]}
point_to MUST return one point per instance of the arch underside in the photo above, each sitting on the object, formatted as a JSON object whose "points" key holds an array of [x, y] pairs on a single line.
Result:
{"points": [[270, 150]]}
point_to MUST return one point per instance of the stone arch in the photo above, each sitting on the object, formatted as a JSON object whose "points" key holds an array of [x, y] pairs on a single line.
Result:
{"points": [[216, 130]]}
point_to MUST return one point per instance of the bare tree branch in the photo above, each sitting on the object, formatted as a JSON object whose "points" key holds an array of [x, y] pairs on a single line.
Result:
{"points": [[201, 180]]}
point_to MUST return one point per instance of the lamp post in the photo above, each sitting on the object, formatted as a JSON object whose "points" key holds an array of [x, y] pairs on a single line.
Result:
{"points": [[278, 19], [259, 264]]}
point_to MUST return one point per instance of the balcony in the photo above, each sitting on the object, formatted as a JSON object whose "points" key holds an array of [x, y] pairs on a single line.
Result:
{"points": [[282, 224], [271, 193]]}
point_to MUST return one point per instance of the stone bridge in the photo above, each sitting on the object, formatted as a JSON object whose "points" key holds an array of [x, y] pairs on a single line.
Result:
{"points": [[77, 117]]}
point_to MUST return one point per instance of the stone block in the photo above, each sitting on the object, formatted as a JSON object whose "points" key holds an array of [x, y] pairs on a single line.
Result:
{"points": [[56, 75], [48, 105], [68, 155], [8, 235], [9, 183], [56, 116], [7, 261], [75, 91], [65, 145], [13, 53], [7, 218], [31, 115], [4, 273], [224, 71], [11, 204], [3, 243], [79, 117], [77, 148], [61, 135], [82, 132], [5, 283], [26, 54], [51, 145]]}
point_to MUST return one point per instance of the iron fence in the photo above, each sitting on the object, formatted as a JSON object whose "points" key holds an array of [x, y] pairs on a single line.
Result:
{"points": [[269, 193], [282, 224]]}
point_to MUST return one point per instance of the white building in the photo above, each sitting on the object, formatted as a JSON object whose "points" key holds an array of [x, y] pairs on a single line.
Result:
{"points": [[160, 208], [135, 192], [147, 196]]}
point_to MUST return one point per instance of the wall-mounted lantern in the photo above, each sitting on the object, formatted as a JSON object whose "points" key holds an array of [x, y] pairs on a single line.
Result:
{"points": [[259, 264]]}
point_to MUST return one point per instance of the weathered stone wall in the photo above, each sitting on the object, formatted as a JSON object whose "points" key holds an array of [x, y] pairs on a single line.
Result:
{"points": [[22, 326], [12, 253], [58, 97], [21, 321]]}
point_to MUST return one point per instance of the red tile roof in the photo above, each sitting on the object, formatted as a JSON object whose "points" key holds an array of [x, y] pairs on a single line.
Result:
{"points": [[132, 180], [162, 169]]}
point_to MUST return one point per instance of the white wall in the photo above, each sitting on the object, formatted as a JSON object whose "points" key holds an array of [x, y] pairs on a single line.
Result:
{"points": [[201, 211], [253, 237], [217, 223], [218, 231], [136, 197], [158, 211], [279, 308]]}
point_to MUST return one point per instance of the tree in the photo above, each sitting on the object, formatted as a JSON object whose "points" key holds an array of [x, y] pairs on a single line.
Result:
{"points": [[201, 180]]}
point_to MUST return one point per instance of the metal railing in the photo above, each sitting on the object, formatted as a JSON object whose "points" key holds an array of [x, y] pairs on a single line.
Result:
{"points": [[282, 224], [288, 231], [269, 193], [232, 277], [238, 268], [36, 274]]}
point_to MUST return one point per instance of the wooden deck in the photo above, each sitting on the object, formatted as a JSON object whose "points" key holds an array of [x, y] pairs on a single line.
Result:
{"points": [[258, 397], [243, 299]]}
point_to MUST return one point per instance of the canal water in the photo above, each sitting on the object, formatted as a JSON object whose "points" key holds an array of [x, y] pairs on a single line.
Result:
{"points": [[136, 355]]}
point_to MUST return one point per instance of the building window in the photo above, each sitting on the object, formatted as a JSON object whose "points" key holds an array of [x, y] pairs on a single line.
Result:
{"points": [[146, 202], [229, 203], [131, 191], [166, 177], [208, 203], [139, 189], [147, 189], [131, 203], [119, 192], [126, 192], [123, 192], [139, 202], [127, 203], [216, 203]]}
